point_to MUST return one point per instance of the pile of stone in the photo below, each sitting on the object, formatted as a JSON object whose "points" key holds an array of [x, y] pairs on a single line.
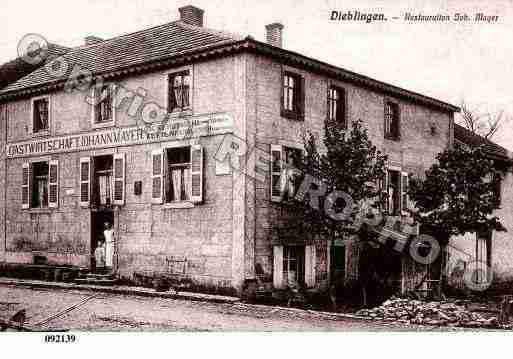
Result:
{"points": [[411, 311]]}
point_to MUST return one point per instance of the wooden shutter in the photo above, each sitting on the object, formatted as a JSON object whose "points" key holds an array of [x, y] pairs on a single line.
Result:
{"points": [[53, 184], [341, 110], [171, 98], [405, 200], [85, 181], [282, 92], [278, 267], [157, 176], [119, 179], [276, 172], [310, 262], [25, 186], [301, 98], [387, 179], [196, 173]]}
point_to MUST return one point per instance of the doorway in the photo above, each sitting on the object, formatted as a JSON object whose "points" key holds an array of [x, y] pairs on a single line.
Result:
{"points": [[98, 218], [102, 191]]}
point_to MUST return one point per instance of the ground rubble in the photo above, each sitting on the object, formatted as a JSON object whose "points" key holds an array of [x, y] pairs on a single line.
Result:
{"points": [[445, 313]]}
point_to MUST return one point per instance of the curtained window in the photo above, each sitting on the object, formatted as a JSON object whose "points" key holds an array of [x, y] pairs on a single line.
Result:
{"points": [[178, 175], [179, 91], [40, 113]]}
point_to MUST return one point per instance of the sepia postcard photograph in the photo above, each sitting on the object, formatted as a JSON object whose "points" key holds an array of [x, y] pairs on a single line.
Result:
{"points": [[329, 170]]}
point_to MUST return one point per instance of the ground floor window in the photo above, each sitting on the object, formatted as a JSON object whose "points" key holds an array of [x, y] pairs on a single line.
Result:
{"points": [[393, 192], [338, 263], [294, 265], [39, 185], [483, 257], [178, 178]]}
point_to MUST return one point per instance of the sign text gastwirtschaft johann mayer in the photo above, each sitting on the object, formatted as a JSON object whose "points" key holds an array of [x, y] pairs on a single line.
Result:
{"points": [[177, 129]]}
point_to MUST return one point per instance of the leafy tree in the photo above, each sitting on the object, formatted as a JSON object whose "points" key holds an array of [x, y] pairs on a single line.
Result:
{"points": [[351, 164], [457, 194]]}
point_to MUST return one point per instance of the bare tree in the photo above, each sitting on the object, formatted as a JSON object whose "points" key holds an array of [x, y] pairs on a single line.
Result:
{"points": [[485, 124]]}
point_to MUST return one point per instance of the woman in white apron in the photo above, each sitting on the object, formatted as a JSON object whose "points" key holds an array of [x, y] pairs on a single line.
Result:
{"points": [[108, 233]]}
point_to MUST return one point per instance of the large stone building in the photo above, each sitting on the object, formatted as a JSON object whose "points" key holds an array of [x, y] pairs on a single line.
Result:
{"points": [[78, 153]]}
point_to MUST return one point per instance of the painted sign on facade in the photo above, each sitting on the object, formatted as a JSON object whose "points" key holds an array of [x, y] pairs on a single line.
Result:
{"points": [[174, 129]]}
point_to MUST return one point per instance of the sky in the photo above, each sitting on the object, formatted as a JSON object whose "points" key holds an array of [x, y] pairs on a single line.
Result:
{"points": [[451, 61]]}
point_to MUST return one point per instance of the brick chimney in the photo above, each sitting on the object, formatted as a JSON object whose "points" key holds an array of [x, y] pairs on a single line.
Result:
{"points": [[92, 40], [191, 15], [274, 34]]}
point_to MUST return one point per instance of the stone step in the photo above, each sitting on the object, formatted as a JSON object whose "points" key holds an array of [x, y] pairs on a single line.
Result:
{"points": [[99, 276], [104, 282]]}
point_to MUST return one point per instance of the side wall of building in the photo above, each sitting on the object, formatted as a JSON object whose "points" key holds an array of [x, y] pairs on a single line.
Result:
{"points": [[463, 251], [424, 133]]}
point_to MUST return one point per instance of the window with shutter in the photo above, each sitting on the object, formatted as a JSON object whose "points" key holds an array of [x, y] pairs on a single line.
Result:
{"points": [[53, 184], [157, 183], [119, 179], [25, 185], [85, 181], [196, 173]]}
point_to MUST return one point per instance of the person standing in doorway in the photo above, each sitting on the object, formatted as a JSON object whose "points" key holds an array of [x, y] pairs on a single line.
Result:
{"points": [[99, 255], [108, 234]]}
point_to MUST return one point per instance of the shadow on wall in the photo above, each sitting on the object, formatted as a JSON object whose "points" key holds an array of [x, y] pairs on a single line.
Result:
{"points": [[61, 244]]}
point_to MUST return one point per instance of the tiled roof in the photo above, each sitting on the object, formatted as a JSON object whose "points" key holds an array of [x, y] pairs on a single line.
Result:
{"points": [[144, 46], [167, 44], [14, 70], [492, 149]]}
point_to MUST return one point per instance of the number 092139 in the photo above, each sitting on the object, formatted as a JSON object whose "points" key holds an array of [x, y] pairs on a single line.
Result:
{"points": [[60, 338]]}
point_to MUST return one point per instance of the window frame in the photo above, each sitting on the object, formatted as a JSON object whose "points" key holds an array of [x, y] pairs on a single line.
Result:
{"points": [[341, 101], [173, 73], [166, 175], [42, 132], [393, 135], [94, 107], [283, 168], [163, 176], [399, 172], [30, 186], [299, 96]]}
